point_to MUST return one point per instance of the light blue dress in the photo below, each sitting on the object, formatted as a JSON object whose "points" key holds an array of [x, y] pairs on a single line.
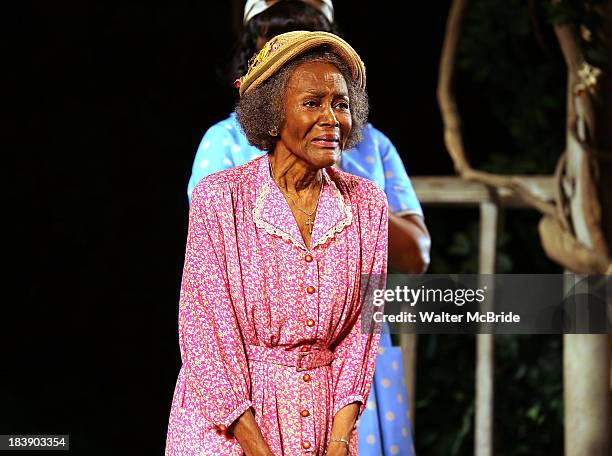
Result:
{"points": [[384, 427]]}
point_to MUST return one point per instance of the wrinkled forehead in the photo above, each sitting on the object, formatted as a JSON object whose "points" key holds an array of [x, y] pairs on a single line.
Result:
{"points": [[318, 76]]}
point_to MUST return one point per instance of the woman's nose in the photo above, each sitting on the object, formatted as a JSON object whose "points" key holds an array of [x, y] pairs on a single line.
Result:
{"points": [[328, 117]]}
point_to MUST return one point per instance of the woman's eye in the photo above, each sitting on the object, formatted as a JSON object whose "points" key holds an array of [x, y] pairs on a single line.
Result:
{"points": [[310, 103], [342, 105]]}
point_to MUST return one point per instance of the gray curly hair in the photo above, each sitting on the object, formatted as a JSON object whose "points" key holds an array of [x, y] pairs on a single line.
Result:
{"points": [[262, 109]]}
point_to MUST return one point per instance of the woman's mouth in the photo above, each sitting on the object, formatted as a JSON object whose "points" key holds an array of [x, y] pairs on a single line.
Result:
{"points": [[327, 141]]}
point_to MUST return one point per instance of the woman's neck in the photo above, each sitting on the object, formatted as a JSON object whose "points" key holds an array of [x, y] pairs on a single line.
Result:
{"points": [[292, 174]]}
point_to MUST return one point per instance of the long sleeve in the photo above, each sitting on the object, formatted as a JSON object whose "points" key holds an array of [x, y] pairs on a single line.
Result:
{"points": [[355, 354], [212, 349]]}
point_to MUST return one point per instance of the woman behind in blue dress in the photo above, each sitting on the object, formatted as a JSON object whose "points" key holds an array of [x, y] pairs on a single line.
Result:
{"points": [[384, 427]]}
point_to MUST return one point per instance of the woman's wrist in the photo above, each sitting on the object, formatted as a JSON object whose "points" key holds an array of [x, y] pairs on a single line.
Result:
{"points": [[337, 447], [341, 440], [344, 422]]}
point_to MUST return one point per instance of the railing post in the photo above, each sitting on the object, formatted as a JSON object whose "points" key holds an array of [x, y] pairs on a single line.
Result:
{"points": [[483, 439], [408, 344], [586, 367]]}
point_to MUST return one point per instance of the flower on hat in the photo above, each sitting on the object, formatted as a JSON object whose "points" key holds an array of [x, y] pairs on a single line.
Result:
{"points": [[267, 50], [274, 45]]}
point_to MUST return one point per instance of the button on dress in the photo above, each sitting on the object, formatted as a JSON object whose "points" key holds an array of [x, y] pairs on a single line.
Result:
{"points": [[269, 324]]}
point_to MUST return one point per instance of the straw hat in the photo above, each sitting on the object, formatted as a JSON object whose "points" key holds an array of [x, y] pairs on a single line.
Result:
{"points": [[287, 46]]}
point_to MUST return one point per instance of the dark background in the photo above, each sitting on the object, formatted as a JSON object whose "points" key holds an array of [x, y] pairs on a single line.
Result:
{"points": [[107, 102]]}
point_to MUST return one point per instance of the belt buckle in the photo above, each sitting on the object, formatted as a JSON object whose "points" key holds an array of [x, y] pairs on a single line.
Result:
{"points": [[301, 356]]}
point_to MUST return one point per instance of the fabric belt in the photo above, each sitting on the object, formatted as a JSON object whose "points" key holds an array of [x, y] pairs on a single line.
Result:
{"points": [[301, 359]]}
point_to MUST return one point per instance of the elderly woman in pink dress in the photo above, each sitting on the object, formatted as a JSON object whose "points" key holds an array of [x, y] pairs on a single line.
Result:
{"points": [[278, 353]]}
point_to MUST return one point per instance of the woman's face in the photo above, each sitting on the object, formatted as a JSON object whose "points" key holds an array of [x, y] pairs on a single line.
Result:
{"points": [[317, 114]]}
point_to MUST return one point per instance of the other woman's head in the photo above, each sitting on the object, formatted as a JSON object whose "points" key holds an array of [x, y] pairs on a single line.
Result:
{"points": [[262, 22]]}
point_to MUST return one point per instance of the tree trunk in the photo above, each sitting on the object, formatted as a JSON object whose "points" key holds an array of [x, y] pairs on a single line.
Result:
{"points": [[586, 358]]}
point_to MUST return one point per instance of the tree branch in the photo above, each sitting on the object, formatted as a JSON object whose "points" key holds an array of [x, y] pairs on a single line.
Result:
{"points": [[452, 121]]}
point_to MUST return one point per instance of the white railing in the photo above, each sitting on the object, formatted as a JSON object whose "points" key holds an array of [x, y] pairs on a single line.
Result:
{"points": [[455, 191]]}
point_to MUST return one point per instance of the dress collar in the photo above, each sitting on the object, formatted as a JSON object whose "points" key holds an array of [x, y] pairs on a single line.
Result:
{"points": [[273, 214]]}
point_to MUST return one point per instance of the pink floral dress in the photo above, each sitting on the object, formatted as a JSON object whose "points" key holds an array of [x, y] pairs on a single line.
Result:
{"points": [[268, 324]]}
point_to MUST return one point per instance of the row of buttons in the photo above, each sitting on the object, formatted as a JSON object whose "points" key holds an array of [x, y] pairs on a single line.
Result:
{"points": [[310, 323], [306, 377]]}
